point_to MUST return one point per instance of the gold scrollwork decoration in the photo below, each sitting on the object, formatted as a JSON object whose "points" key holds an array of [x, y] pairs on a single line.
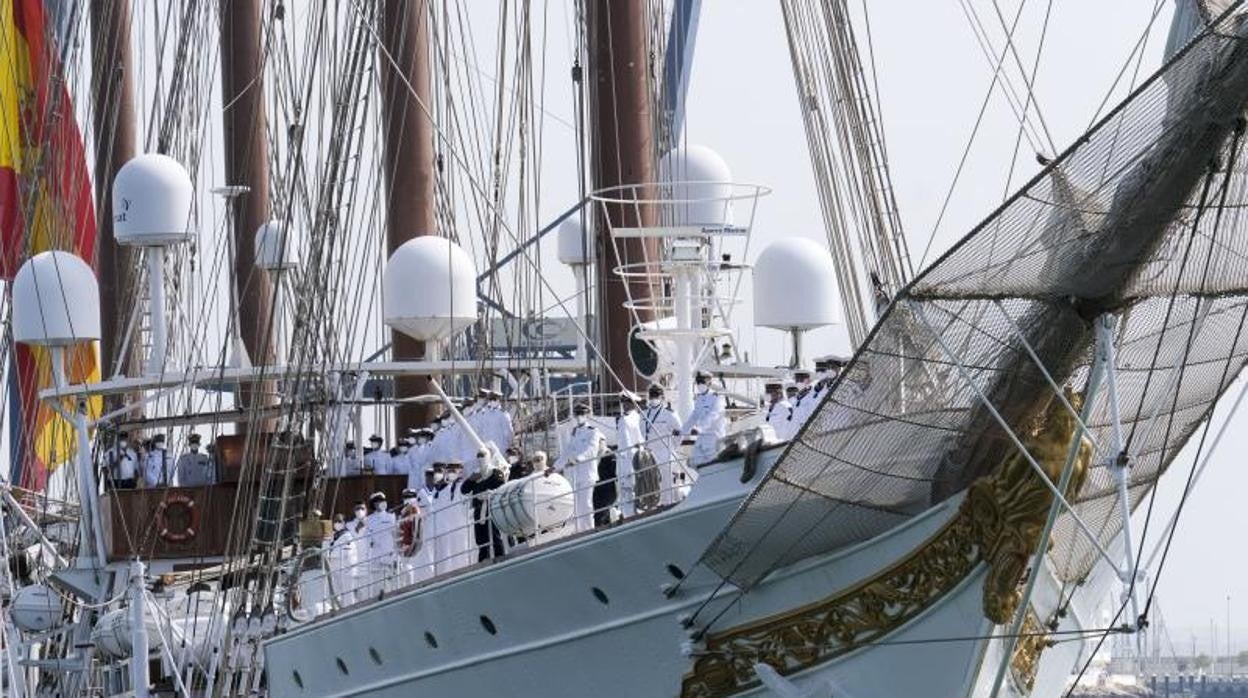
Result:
{"points": [[998, 524]]}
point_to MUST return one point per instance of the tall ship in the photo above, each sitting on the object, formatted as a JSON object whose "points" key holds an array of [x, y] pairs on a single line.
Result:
{"points": [[311, 391]]}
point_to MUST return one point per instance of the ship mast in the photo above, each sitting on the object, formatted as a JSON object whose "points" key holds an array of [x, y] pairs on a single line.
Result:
{"points": [[114, 123], [244, 129], [623, 145], [408, 158]]}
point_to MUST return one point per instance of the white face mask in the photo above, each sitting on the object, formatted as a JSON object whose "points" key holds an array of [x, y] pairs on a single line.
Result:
{"points": [[194, 448], [452, 476], [702, 388], [581, 419], [159, 446], [495, 404], [359, 513], [402, 449], [438, 477], [409, 501], [422, 441], [123, 443], [338, 525], [513, 459], [654, 402], [381, 506]]}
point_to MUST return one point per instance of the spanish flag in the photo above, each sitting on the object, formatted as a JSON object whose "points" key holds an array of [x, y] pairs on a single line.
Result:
{"points": [[45, 204]]}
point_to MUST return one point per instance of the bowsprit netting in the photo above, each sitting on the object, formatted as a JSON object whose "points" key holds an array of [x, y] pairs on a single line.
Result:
{"points": [[1141, 219]]}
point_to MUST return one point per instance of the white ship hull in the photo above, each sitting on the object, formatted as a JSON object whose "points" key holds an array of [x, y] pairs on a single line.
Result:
{"points": [[553, 636]]}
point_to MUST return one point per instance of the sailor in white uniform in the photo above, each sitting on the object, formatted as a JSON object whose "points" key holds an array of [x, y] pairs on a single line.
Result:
{"points": [[376, 458], [158, 469], [419, 460], [342, 562], [706, 422], [803, 403], [455, 543], [579, 464], [193, 467], [351, 463], [496, 425], [122, 463], [628, 438], [422, 564], [661, 430], [778, 411], [380, 532]]}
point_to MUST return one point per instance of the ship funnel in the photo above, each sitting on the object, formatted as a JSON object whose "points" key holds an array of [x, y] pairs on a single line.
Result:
{"points": [[152, 202], [699, 183], [575, 247], [279, 246], [795, 288], [56, 301], [429, 289]]}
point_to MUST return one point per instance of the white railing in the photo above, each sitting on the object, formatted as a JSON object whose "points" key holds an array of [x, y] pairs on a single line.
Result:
{"points": [[356, 576]]}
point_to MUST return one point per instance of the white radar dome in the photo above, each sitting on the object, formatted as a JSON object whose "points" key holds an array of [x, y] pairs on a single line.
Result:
{"points": [[279, 246], [701, 181], [152, 202], [56, 301], [574, 246], [429, 289], [36, 608], [795, 286]]}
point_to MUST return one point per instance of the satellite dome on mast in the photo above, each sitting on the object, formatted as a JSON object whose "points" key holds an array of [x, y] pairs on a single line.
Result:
{"points": [[429, 289], [56, 301], [152, 202], [279, 246], [795, 286], [575, 246], [700, 181]]}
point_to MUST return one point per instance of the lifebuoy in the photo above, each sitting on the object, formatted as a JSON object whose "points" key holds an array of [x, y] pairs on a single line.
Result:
{"points": [[177, 518]]}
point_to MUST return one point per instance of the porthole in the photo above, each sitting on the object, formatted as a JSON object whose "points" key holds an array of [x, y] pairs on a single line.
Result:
{"points": [[431, 640], [298, 679], [342, 666], [372, 652], [488, 625], [675, 571], [601, 596]]}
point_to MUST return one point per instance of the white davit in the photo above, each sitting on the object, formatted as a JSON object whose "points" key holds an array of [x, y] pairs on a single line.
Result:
{"points": [[279, 246], [56, 301], [152, 202], [429, 289], [575, 249], [532, 504], [795, 286], [699, 180]]}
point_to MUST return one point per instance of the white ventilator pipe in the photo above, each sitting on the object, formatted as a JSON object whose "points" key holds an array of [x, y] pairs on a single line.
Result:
{"points": [[138, 632], [156, 307]]}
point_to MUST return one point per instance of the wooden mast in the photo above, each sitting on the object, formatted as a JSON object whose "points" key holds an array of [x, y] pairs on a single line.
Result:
{"points": [[114, 122], [623, 145], [244, 128], [408, 157]]}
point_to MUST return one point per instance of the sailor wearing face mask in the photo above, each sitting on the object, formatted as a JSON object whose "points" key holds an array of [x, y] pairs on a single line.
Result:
{"points": [[706, 422], [419, 459], [158, 469], [579, 464], [411, 535], [489, 476], [496, 425], [777, 410], [660, 429], [193, 467], [454, 523], [804, 402], [628, 438], [380, 532], [376, 458], [351, 464], [122, 463], [445, 439], [342, 562]]}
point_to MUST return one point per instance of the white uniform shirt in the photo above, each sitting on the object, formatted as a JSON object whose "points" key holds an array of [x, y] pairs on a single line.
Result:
{"points": [[123, 463], [496, 426], [778, 416], [418, 458], [803, 406], [193, 469], [159, 468], [628, 436], [585, 445], [380, 531], [708, 418], [351, 465], [378, 461], [658, 426]]}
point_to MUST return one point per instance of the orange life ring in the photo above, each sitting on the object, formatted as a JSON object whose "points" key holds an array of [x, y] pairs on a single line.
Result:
{"points": [[177, 518]]}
